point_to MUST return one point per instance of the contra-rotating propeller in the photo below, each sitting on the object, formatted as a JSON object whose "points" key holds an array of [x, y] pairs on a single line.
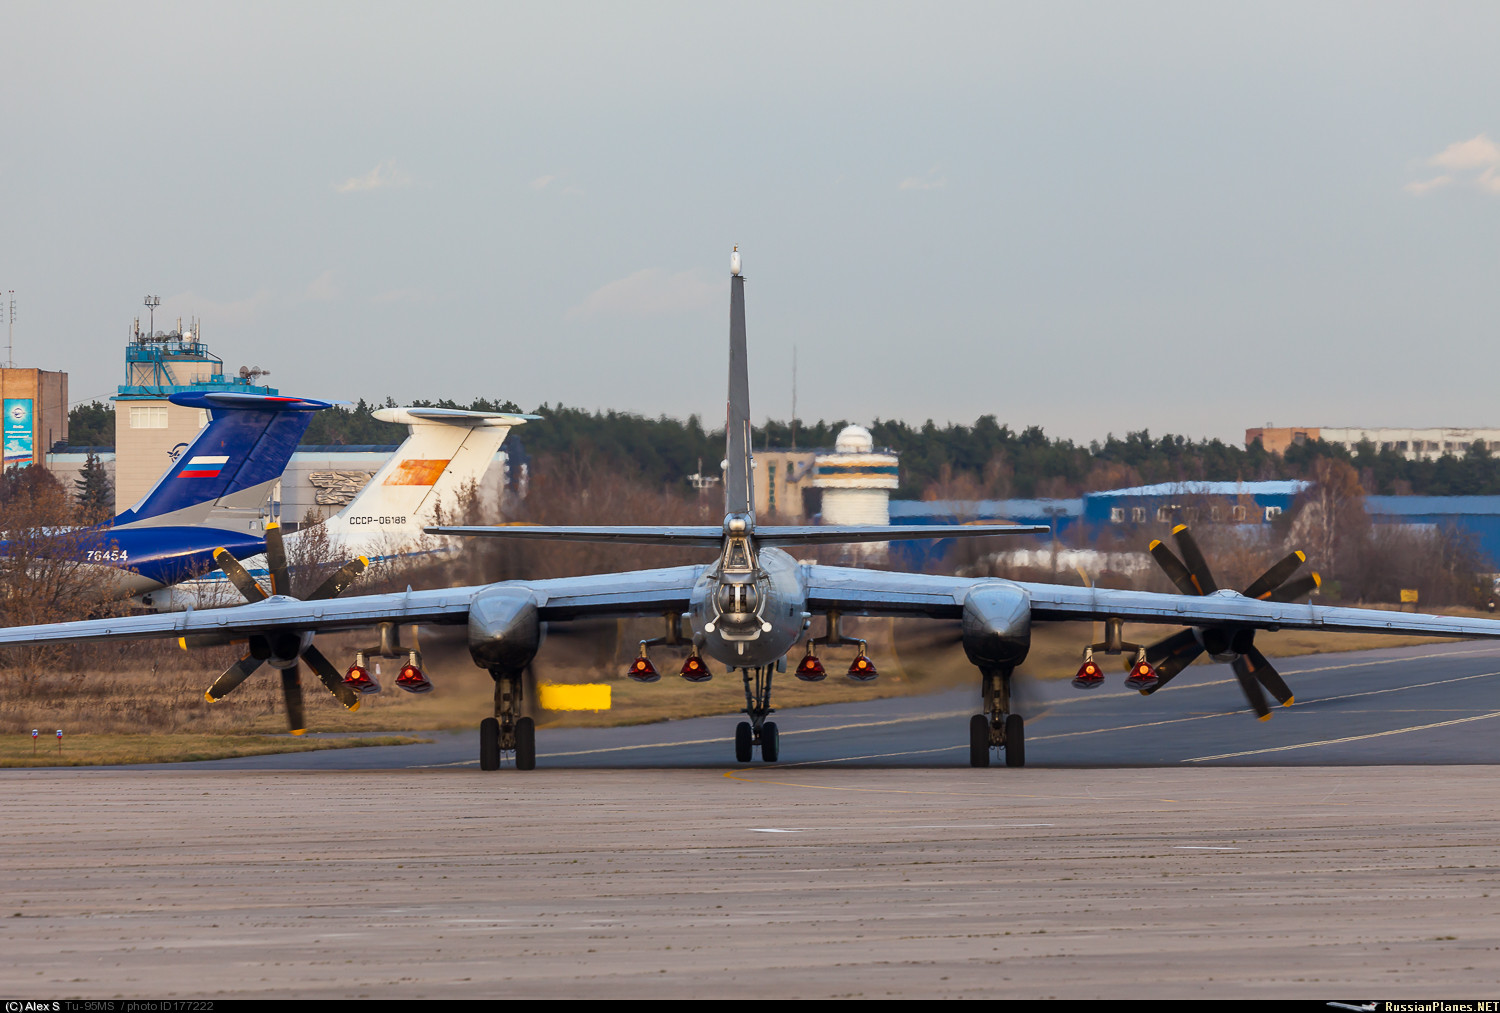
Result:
{"points": [[285, 649], [1235, 645]]}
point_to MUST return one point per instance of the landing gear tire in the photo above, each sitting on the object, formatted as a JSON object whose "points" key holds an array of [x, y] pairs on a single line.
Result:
{"points": [[525, 744], [744, 742], [489, 744], [979, 741], [1015, 741], [770, 742]]}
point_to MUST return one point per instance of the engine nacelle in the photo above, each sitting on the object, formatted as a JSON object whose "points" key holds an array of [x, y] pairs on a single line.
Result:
{"points": [[504, 628], [168, 599], [997, 625]]}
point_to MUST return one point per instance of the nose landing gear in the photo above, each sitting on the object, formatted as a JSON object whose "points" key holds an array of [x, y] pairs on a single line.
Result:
{"points": [[757, 731]]}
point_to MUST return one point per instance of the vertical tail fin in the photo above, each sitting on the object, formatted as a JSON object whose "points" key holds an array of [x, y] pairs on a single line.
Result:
{"points": [[234, 461], [446, 451], [739, 490]]}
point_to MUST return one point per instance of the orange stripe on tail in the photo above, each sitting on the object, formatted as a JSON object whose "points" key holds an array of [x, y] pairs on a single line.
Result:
{"points": [[416, 472]]}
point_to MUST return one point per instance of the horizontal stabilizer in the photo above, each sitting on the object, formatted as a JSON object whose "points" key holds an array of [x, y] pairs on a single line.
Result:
{"points": [[711, 536], [451, 417]]}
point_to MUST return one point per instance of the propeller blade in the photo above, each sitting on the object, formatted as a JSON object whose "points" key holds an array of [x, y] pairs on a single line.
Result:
{"points": [[340, 581], [232, 677], [1275, 576], [1176, 572], [1298, 588], [331, 677], [1253, 694], [1197, 566], [276, 560], [1268, 676], [291, 692], [1171, 656], [239, 576]]}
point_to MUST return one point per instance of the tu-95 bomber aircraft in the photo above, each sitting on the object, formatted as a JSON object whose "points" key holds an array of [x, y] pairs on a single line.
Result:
{"points": [[753, 605]]}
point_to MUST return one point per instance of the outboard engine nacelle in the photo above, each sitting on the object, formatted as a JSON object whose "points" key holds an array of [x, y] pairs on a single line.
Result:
{"points": [[997, 625]]}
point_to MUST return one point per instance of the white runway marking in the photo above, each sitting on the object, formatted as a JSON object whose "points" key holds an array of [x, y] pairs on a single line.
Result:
{"points": [[1199, 847], [924, 826], [1348, 738], [1241, 711]]}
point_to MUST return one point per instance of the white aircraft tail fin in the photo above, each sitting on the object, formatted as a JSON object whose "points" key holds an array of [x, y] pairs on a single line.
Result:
{"points": [[446, 452]]}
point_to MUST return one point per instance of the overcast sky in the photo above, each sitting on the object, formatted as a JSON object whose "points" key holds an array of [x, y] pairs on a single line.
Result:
{"points": [[1094, 217]]}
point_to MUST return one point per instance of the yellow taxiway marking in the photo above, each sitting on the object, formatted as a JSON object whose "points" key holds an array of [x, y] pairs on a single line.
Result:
{"points": [[1347, 738]]}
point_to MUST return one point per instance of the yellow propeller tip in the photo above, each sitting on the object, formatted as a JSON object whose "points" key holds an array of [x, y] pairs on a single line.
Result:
{"points": [[299, 731], [1301, 555], [1289, 701], [209, 696], [353, 707], [1154, 543], [269, 526], [365, 560], [220, 551], [1317, 580], [182, 642], [1264, 717], [1180, 527]]}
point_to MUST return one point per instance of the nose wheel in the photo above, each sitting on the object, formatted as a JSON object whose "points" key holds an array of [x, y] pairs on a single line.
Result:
{"points": [[997, 728], [757, 732]]}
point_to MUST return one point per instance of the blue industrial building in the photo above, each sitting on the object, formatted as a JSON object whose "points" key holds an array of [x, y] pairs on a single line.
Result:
{"points": [[1477, 515], [1190, 502]]}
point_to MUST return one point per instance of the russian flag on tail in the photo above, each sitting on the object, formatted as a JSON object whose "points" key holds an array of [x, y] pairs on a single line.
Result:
{"points": [[203, 467]]}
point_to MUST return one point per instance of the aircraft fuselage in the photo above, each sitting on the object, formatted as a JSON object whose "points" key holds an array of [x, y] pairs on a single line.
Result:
{"points": [[752, 617]]}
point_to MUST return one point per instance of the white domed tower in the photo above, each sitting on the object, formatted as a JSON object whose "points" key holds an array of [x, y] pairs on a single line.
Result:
{"points": [[857, 480]]}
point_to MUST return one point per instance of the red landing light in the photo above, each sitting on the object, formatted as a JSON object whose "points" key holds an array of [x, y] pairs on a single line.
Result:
{"points": [[810, 669], [1142, 676], [412, 680], [863, 669], [642, 670], [1088, 676], [358, 679], [694, 670]]}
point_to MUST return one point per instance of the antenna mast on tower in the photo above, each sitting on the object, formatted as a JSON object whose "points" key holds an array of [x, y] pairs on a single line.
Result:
{"points": [[152, 301]]}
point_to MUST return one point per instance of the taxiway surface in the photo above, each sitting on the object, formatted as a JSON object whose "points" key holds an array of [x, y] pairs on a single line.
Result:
{"points": [[873, 863], [1435, 704]]}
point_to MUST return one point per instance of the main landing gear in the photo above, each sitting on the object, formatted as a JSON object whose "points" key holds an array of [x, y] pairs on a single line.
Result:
{"points": [[757, 731], [997, 728], [507, 731]]}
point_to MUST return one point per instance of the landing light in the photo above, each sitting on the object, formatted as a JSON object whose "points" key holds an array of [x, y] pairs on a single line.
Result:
{"points": [[862, 669], [641, 670], [1089, 676], [1142, 676], [693, 669], [810, 669], [411, 678]]}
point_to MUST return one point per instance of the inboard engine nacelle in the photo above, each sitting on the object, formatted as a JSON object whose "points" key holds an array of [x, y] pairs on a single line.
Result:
{"points": [[504, 628], [997, 625]]}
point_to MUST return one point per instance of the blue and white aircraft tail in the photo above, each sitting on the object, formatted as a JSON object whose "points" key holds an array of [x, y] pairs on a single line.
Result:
{"points": [[445, 454], [211, 496]]}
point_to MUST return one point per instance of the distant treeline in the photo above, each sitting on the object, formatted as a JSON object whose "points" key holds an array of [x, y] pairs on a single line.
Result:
{"points": [[983, 460]]}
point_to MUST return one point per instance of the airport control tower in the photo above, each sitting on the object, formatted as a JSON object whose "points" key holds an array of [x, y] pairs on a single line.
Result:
{"points": [[856, 480], [150, 431]]}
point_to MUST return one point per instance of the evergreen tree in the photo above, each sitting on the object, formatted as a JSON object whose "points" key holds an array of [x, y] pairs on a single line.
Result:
{"points": [[95, 496]]}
